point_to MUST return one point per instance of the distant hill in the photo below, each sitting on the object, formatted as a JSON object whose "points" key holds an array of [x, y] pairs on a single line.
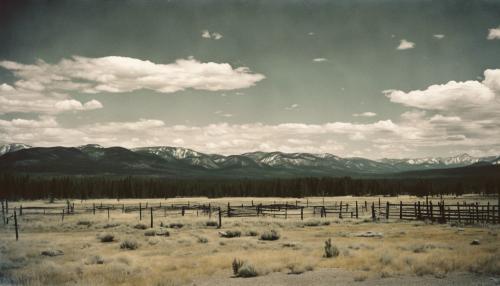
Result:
{"points": [[178, 162]]}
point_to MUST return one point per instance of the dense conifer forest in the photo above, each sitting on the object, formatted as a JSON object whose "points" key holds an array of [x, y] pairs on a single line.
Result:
{"points": [[83, 187]]}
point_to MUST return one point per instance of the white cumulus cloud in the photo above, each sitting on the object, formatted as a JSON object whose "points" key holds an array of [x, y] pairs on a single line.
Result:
{"points": [[365, 114], [211, 35], [405, 45], [319, 60], [494, 34], [123, 74]]}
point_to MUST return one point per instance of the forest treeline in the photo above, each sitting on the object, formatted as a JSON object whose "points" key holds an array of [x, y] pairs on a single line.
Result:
{"points": [[39, 187]]}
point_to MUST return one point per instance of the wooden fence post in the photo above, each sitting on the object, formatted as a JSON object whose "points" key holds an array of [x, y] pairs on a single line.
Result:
{"points": [[15, 225], [62, 217], [415, 210], [151, 210], [324, 211], [182, 211], [366, 206], [340, 212], [210, 210], [220, 218], [356, 209], [487, 212], [458, 212], [387, 211], [419, 210], [21, 210], [140, 211], [286, 211], [108, 213], [3, 212], [373, 211], [123, 208], [400, 210], [477, 212], [431, 210], [228, 210], [93, 208], [301, 213]]}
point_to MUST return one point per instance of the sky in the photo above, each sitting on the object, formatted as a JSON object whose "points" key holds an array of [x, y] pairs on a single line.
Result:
{"points": [[374, 79]]}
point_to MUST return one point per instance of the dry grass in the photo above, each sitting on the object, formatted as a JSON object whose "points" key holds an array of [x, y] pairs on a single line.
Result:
{"points": [[197, 250]]}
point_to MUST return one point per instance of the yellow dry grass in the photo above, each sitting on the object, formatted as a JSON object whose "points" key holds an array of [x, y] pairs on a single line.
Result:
{"points": [[413, 248]]}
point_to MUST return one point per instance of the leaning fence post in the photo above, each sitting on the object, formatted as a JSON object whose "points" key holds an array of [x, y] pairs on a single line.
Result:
{"points": [[220, 218], [151, 210], [15, 225]]}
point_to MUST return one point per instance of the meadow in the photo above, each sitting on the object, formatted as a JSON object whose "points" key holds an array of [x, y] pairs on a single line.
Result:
{"points": [[123, 249]]}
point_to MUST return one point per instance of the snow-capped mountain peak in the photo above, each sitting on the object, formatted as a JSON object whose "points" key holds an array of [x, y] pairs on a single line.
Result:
{"points": [[7, 148]]}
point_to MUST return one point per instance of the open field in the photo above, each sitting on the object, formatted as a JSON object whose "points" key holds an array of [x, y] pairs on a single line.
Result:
{"points": [[92, 249]]}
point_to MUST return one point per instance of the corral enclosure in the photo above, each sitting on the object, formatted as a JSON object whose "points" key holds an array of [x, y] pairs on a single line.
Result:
{"points": [[179, 241]]}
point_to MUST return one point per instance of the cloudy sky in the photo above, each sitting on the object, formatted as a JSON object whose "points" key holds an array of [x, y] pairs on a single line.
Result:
{"points": [[353, 78]]}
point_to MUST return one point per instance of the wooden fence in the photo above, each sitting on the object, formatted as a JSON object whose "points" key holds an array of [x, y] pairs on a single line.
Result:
{"points": [[440, 211]]}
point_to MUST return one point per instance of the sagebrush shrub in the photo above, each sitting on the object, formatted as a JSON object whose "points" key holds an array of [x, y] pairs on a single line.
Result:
{"points": [[212, 223], [330, 249], [247, 270], [129, 244], [140, 226], [107, 237], [230, 233], [236, 266], [270, 235]]}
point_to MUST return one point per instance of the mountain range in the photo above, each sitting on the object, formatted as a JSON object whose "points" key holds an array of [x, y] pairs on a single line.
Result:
{"points": [[181, 162]]}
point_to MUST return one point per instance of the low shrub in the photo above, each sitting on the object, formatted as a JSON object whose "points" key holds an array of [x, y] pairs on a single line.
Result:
{"points": [[251, 233], [202, 239], [110, 225], [176, 225], [84, 223], [247, 270], [211, 223], [129, 244], [107, 237], [236, 266], [330, 249], [150, 232], [312, 222], [52, 252], [162, 232], [270, 235], [230, 233], [140, 226]]}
